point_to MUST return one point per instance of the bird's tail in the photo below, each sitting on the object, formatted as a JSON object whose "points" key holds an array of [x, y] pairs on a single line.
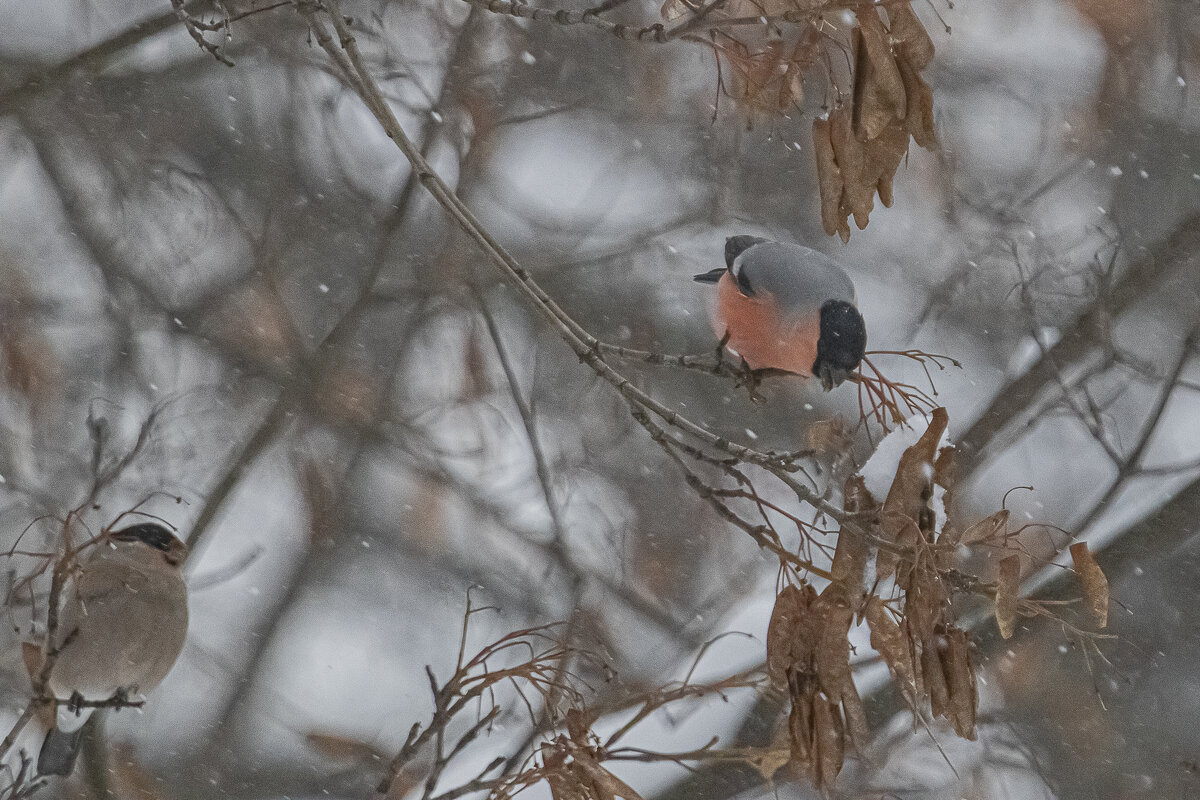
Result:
{"points": [[59, 751]]}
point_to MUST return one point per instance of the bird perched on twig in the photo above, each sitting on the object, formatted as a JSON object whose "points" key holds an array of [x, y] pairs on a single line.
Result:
{"points": [[787, 307], [120, 629]]}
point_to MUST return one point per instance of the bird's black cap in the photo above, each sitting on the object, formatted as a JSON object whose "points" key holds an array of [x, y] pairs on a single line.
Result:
{"points": [[841, 344], [149, 533], [736, 245]]}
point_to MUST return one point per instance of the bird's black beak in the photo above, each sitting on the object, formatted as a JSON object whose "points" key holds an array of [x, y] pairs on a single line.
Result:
{"points": [[712, 276]]}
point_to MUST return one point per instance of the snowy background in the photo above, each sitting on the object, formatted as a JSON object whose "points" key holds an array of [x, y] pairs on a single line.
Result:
{"points": [[240, 252]]}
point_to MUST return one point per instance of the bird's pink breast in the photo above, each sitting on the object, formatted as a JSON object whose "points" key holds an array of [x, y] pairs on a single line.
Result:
{"points": [[763, 336]]}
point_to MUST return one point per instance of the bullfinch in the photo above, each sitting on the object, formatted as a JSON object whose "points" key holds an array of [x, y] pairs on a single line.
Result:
{"points": [[784, 306], [120, 629]]}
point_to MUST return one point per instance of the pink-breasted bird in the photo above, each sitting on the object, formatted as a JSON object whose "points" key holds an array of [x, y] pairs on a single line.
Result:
{"points": [[787, 307]]}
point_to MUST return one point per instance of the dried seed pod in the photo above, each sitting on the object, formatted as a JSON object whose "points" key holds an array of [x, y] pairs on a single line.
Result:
{"points": [[800, 723], [919, 119], [870, 109], [858, 193], [791, 607], [909, 37], [1093, 582], [850, 556], [829, 180], [1008, 579], [936, 681], [829, 741], [890, 642], [884, 154], [955, 652], [907, 500], [925, 605], [883, 62], [832, 657], [945, 469], [986, 528]]}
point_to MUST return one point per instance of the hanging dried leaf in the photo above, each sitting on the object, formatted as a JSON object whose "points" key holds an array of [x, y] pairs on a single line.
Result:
{"points": [[907, 502], [883, 63], [791, 606], [833, 646], [891, 643], [1008, 580], [870, 109], [800, 722], [564, 786], [919, 120], [804, 54], [829, 180], [822, 690], [579, 725], [924, 605], [955, 652], [986, 528], [856, 717], [1093, 583], [829, 741], [945, 469], [935, 677], [884, 154], [858, 194], [910, 538], [852, 551], [909, 37]]}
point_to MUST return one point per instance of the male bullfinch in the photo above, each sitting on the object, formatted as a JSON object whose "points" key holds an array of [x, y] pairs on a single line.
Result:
{"points": [[120, 630], [784, 306]]}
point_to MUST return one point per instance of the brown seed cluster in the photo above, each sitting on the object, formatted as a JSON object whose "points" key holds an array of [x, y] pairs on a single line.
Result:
{"points": [[859, 147], [769, 51], [906, 606]]}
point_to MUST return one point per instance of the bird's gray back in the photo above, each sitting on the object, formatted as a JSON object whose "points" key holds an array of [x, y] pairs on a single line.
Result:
{"points": [[799, 277]]}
